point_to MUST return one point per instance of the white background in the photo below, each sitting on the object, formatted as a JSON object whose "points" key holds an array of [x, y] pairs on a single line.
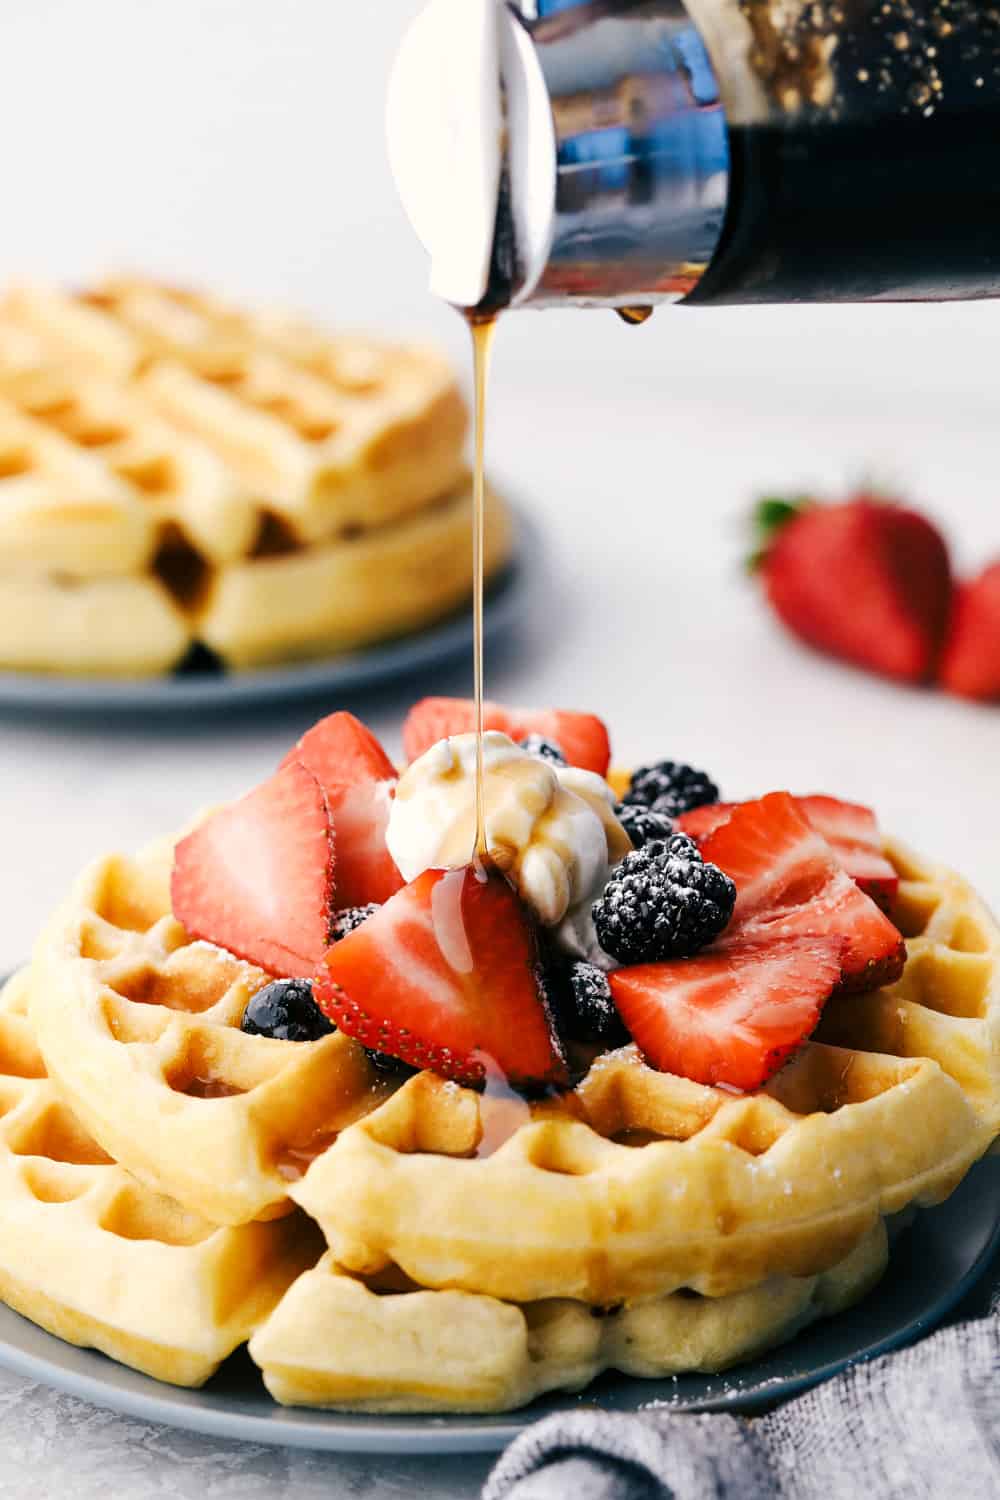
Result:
{"points": [[238, 144]]}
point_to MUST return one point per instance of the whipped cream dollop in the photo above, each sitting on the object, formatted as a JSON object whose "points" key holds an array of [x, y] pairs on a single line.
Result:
{"points": [[551, 829]]}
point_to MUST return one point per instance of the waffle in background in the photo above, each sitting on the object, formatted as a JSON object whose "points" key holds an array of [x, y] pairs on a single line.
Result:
{"points": [[175, 471]]}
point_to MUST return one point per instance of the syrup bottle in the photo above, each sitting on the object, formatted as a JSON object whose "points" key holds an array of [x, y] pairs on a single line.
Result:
{"points": [[635, 152]]}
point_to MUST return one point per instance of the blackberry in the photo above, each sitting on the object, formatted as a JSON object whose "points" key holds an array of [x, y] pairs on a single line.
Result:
{"points": [[349, 919], [537, 744], [584, 1010], [286, 1010], [670, 788], [661, 902], [642, 824]]}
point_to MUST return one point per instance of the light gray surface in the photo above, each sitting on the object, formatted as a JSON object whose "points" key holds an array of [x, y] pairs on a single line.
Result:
{"points": [[238, 143], [57, 1448]]}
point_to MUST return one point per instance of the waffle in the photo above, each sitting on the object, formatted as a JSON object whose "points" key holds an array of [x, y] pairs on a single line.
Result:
{"points": [[334, 1341], [335, 433], [139, 1028], [99, 1260], [282, 605], [60, 504], [334, 598], [644, 1183], [182, 491], [109, 627], [262, 488], [482, 1250]]}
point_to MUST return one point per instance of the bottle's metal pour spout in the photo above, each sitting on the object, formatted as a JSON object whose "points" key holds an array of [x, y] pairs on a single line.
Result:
{"points": [[589, 135], [626, 153]]}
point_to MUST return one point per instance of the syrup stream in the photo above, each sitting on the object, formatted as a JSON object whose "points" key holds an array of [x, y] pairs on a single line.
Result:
{"points": [[483, 328]]}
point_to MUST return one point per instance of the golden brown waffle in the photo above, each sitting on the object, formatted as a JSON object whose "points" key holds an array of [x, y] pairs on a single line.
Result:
{"points": [[946, 1005], [58, 504], [483, 1251], [290, 604], [329, 433], [650, 1182], [100, 1260], [185, 493], [333, 1341], [350, 593], [139, 1028], [108, 627], [252, 484]]}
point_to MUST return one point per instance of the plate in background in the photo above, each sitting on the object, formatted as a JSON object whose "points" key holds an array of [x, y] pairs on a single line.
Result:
{"points": [[934, 1262], [334, 677]]}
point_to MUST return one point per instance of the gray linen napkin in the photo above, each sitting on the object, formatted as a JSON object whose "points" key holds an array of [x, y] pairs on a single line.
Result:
{"points": [[920, 1425]]}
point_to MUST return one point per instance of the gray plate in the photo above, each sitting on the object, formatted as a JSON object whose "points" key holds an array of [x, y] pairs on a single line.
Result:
{"points": [[333, 678], [934, 1263]]}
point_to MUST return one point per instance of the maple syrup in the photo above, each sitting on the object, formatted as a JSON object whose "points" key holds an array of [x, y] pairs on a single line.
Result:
{"points": [[483, 328], [205, 1086], [634, 316], [293, 1161]]}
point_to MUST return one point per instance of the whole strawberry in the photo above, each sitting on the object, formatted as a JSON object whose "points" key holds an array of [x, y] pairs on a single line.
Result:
{"points": [[970, 663], [868, 581]]}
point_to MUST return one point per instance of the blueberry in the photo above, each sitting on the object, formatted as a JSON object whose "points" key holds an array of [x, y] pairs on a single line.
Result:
{"points": [[286, 1010], [537, 744], [384, 1062]]}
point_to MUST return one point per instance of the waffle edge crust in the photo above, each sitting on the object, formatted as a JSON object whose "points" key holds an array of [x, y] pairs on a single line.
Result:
{"points": [[662, 1227]]}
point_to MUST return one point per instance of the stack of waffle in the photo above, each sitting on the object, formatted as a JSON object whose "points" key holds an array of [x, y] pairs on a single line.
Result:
{"points": [[172, 1186], [177, 473]]}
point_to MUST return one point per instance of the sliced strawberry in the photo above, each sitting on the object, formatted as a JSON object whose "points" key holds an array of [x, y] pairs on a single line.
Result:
{"points": [[583, 738], [444, 976], [789, 884], [701, 821], [970, 663], [257, 877], [341, 751], [358, 779], [731, 1017], [851, 831]]}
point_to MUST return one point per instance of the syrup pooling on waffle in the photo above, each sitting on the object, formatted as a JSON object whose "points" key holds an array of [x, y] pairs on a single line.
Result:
{"points": [[140, 1030], [253, 484], [163, 1290]]}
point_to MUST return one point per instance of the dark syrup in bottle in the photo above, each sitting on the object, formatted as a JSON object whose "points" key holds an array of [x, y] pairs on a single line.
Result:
{"points": [[892, 191]]}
